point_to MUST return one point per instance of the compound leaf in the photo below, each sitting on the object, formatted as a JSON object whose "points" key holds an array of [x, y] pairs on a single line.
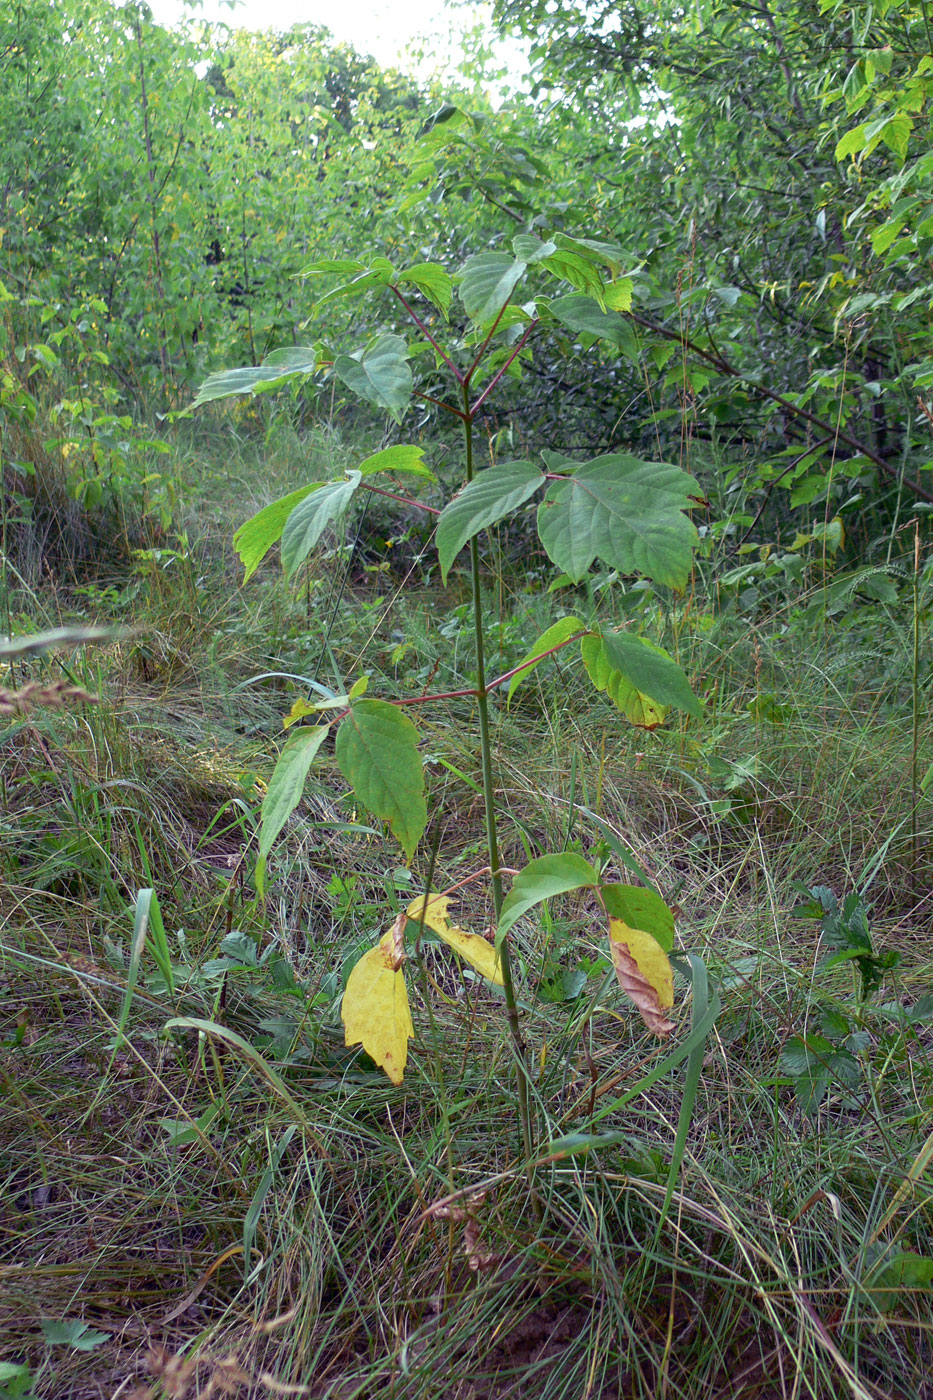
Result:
{"points": [[377, 751], [491, 495], [626, 512]]}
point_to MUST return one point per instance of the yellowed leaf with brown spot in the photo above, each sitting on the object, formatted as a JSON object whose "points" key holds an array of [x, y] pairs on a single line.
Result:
{"points": [[375, 1009], [431, 910], [644, 972]]}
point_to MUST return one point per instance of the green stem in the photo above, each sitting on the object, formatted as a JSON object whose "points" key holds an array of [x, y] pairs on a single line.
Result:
{"points": [[489, 804]]}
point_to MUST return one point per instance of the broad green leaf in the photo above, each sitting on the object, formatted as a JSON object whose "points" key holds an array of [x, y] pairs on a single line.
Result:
{"points": [[478, 952], [253, 540], [640, 908], [553, 636], [379, 374], [583, 314], [530, 249], [287, 782], [618, 295], [644, 973], [896, 134], [851, 143], [626, 512], [379, 274], [279, 367], [407, 459], [432, 282], [898, 1277], [542, 878], [337, 267], [487, 280], [377, 750], [649, 668], [491, 495], [609, 255], [311, 517], [579, 272], [375, 1010], [639, 709]]}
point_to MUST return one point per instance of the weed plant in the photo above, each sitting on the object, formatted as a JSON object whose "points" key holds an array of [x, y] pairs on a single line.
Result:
{"points": [[266, 1214]]}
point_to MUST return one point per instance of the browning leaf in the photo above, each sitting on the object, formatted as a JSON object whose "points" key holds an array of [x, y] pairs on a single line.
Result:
{"points": [[644, 973]]}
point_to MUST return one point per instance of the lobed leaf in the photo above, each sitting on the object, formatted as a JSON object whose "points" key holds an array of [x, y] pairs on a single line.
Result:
{"points": [[375, 1010], [626, 512], [491, 495], [377, 752]]}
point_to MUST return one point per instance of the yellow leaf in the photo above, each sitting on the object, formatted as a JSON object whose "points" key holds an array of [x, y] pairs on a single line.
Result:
{"points": [[644, 973], [431, 910], [375, 1008]]}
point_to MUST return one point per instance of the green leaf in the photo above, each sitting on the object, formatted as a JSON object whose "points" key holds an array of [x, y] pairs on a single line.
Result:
{"points": [[278, 368], [379, 274], [628, 513], [377, 750], [553, 636], [338, 267], [397, 459], [649, 668], [541, 879], [584, 315], [898, 1276], [609, 255], [432, 282], [530, 249], [379, 374], [639, 708], [310, 518], [486, 283], [851, 143], [71, 1332], [288, 780], [253, 540], [491, 495], [641, 909], [579, 272]]}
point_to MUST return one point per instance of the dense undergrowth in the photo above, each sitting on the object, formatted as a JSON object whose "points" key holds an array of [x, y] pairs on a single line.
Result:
{"points": [[258, 1211]]}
